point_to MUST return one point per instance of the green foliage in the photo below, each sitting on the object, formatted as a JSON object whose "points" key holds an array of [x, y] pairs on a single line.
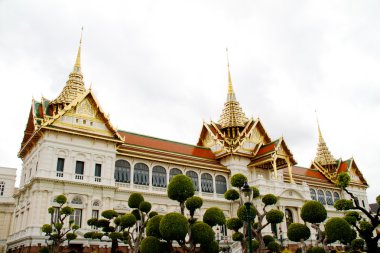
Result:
{"points": [[378, 200], [109, 214], [343, 204], [274, 247], [74, 227], [255, 244], [193, 203], [47, 229], [231, 194], [58, 225], [136, 213], [44, 250], [115, 235], [145, 206], [153, 226], [352, 217], [214, 216], [174, 226], [135, 199], [337, 229], [71, 236], [243, 213], [60, 199], [357, 244], [342, 180], [365, 226], [234, 224], [93, 235], [313, 211], [150, 244], [269, 199], [211, 247], [275, 216], [180, 188], [127, 221], [255, 192], [267, 239], [237, 237], [298, 231], [238, 180], [316, 249], [202, 233], [66, 210], [51, 210], [102, 223], [152, 214], [92, 222]]}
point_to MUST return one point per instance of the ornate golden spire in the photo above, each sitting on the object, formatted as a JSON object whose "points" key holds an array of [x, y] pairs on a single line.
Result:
{"points": [[323, 157], [232, 115], [75, 85]]}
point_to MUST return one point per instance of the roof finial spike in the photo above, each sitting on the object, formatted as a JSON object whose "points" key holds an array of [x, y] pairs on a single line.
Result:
{"points": [[324, 157], [319, 128], [230, 90], [77, 65]]}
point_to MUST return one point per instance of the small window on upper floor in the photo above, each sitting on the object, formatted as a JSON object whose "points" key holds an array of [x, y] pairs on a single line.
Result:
{"points": [[313, 194], [2, 187], [79, 168], [60, 164], [98, 170], [336, 196]]}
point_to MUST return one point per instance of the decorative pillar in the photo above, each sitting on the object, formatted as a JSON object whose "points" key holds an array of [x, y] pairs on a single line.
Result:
{"points": [[275, 167], [289, 170]]}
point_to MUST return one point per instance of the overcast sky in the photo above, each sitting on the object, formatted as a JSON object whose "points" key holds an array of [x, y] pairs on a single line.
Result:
{"points": [[159, 68]]}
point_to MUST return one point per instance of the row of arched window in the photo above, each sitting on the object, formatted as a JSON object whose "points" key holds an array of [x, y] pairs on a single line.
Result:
{"points": [[326, 197], [159, 177]]}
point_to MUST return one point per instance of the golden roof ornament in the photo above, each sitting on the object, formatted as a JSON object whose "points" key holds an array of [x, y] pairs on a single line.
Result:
{"points": [[323, 157], [75, 85], [232, 115]]}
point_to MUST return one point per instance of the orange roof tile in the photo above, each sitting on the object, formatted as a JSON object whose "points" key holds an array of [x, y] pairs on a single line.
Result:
{"points": [[165, 145], [308, 173], [343, 167], [266, 148]]}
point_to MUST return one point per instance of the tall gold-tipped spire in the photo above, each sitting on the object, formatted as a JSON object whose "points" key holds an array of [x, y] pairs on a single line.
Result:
{"points": [[323, 156], [232, 115], [75, 85]]}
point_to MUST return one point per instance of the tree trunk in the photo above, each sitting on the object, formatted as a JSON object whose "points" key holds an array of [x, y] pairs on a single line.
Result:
{"points": [[182, 205], [114, 245], [372, 245]]}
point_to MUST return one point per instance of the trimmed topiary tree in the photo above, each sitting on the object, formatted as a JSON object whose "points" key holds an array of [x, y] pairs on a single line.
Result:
{"points": [[180, 188], [365, 230], [202, 233], [298, 232], [337, 229], [264, 217], [214, 216], [315, 213], [274, 247], [151, 245]]}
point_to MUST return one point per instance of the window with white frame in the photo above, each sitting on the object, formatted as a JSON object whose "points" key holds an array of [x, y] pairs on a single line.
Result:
{"points": [[174, 172], [122, 171], [194, 178], [321, 197], [207, 183], [336, 196], [77, 217], [329, 198], [159, 176], [2, 188], [141, 174], [220, 184], [313, 194]]}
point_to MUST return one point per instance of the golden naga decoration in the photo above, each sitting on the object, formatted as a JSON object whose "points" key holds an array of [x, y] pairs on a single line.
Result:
{"points": [[75, 85], [323, 157], [232, 115]]}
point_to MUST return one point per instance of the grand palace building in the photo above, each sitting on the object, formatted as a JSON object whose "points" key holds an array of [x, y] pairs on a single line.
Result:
{"points": [[70, 147]]}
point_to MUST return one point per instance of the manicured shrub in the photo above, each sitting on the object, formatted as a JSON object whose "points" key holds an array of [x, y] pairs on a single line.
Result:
{"points": [[343, 179], [127, 220], [109, 214], [60, 199], [298, 231], [243, 213], [46, 228], [145, 206], [211, 247], [274, 247], [71, 236], [152, 214], [202, 233], [255, 244], [313, 211], [269, 199], [180, 188], [232, 195], [337, 229], [173, 226], [135, 199], [357, 244], [150, 244], [274, 216], [237, 237], [214, 216], [255, 192], [153, 226], [66, 210], [378, 200], [317, 249], [267, 239], [193, 203], [136, 213], [352, 217], [234, 224], [343, 204], [238, 180]]}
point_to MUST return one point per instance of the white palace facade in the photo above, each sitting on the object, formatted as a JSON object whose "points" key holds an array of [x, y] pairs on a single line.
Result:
{"points": [[70, 147]]}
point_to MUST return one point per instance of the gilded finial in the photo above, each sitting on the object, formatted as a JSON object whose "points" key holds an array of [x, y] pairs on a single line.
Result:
{"points": [[77, 66], [230, 90], [323, 156]]}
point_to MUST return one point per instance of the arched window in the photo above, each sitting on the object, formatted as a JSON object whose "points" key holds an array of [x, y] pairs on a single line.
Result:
{"points": [[194, 177], [329, 198], [122, 171], [207, 183], [96, 203], [141, 174], [336, 196], [220, 184], [313, 194], [288, 217], [159, 176], [321, 197], [77, 200], [174, 172]]}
